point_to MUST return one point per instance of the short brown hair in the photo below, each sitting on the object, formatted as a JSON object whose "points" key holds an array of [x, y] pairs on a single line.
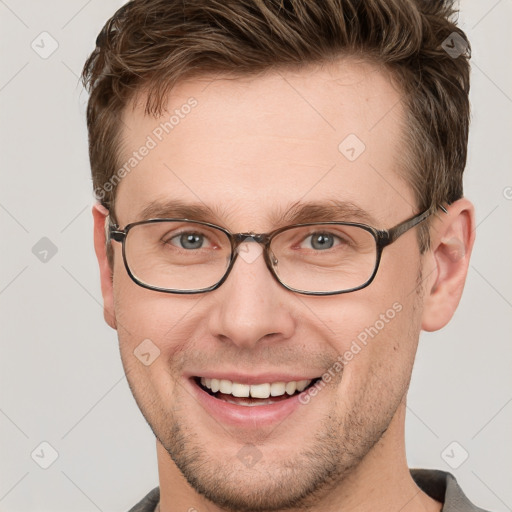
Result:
{"points": [[152, 44]]}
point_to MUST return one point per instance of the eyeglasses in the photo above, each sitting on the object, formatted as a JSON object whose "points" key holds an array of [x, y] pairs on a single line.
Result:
{"points": [[185, 256]]}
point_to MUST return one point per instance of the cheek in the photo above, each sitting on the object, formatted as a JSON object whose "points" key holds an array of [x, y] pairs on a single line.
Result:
{"points": [[375, 331], [151, 343], [154, 323], [154, 331], [146, 314], [140, 313], [381, 352]]}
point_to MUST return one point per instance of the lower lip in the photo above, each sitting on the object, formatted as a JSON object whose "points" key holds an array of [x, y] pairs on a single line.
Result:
{"points": [[242, 415]]}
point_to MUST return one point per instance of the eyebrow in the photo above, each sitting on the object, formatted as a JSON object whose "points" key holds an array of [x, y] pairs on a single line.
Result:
{"points": [[295, 213]]}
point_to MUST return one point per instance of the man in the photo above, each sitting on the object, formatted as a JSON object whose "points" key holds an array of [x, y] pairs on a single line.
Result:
{"points": [[280, 214]]}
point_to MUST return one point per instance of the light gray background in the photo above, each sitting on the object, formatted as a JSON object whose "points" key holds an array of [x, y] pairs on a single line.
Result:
{"points": [[61, 377]]}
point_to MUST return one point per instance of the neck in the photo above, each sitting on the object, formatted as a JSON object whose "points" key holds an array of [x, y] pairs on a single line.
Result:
{"points": [[381, 481]]}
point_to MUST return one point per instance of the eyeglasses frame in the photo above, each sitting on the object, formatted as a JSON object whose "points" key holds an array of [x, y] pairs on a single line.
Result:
{"points": [[383, 238]]}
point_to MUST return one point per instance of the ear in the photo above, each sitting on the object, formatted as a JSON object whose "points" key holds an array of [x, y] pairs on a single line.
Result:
{"points": [[452, 236], [100, 214]]}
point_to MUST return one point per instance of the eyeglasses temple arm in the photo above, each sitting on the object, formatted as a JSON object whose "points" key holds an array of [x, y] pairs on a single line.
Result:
{"points": [[112, 231], [392, 234]]}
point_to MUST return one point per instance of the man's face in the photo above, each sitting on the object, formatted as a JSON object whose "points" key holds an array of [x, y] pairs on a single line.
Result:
{"points": [[248, 150]]}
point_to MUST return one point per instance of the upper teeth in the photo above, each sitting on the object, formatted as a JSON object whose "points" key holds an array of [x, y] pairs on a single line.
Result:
{"points": [[255, 390]]}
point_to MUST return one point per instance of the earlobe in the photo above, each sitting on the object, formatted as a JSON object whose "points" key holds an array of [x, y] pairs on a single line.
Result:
{"points": [[100, 214], [452, 237]]}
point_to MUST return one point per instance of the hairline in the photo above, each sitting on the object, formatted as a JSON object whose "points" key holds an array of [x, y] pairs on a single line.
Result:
{"points": [[404, 162]]}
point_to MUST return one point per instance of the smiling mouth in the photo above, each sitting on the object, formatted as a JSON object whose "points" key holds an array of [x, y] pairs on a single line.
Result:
{"points": [[253, 395]]}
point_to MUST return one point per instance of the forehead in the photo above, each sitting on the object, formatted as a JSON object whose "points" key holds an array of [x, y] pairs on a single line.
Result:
{"points": [[249, 144]]}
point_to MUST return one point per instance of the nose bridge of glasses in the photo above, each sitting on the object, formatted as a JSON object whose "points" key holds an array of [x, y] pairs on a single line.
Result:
{"points": [[259, 238], [263, 239]]}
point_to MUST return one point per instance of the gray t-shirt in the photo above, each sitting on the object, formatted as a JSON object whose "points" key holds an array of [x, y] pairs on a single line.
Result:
{"points": [[439, 485]]}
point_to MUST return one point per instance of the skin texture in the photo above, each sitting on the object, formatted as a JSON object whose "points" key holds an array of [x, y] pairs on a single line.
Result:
{"points": [[250, 147]]}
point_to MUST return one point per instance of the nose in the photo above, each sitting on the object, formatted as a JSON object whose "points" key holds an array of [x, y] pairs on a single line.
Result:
{"points": [[250, 307]]}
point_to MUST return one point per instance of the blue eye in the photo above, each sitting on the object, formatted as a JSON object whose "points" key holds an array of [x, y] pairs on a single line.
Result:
{"points": [[322, 241], [190, 240]]}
